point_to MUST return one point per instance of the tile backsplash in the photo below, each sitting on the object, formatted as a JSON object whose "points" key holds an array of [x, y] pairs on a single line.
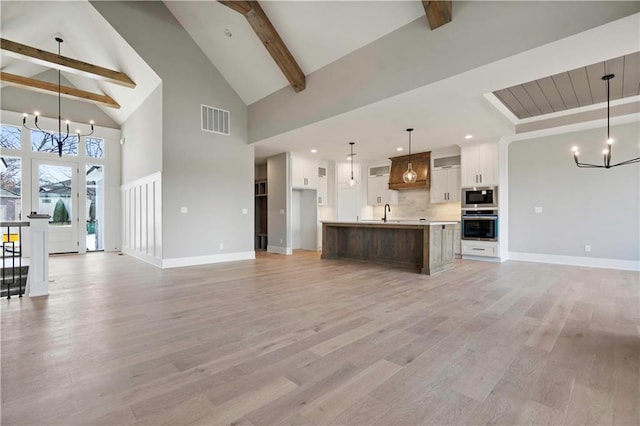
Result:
{"points": [[416, 204]]}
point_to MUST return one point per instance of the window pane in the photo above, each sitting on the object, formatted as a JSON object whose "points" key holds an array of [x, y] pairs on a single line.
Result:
{"points": [[95, 203], [54, 186], [10, 137], [10, 188], [94, 147], [43, 142]]}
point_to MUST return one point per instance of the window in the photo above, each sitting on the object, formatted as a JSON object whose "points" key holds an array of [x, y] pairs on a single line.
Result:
{"points": [[10, 137], [10, 188], [94, 147], [43, 142]]}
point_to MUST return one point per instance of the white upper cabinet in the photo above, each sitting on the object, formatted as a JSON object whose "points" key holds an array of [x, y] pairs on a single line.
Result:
{"points": [[480, 165], [304, 172], [445, 185], [378, 192], [323, 185]]}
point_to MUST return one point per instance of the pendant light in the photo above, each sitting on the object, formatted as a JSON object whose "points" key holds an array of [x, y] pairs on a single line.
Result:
{"points": [[410, 176], [58, 138], [607, 151], [352, 182]]}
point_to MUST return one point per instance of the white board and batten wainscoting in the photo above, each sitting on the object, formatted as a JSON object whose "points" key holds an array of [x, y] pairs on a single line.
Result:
{"points": [[142, 219], [142, 227]]}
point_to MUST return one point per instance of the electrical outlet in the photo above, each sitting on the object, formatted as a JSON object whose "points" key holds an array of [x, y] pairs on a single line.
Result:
{"points": [[281, 211], [221, 246], [245, 211], [537, 209], [587, 249], [281, 240]]}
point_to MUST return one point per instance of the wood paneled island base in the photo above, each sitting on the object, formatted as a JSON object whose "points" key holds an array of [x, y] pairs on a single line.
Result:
{"points": [[425, 246]]}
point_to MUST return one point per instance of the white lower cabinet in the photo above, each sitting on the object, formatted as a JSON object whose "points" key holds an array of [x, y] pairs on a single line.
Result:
{"points": [[480, 248]]}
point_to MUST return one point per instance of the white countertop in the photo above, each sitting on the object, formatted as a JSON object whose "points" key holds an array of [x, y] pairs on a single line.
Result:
{"points": [[394, 222]]}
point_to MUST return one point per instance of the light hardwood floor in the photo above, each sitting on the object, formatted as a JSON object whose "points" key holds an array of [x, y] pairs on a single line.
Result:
{"points": [[299, 340]]}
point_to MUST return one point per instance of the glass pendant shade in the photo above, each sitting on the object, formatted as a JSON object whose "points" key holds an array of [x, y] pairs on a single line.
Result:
{"points": [[409, 176], [352, 182]]}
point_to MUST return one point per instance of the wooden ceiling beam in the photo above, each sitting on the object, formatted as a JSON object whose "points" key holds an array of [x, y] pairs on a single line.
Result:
{"points": [[63, 63], [438, 12], [242, 7], [271, 40], [52, 89]]}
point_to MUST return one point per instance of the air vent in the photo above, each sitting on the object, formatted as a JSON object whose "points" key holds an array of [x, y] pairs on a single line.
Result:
{"points": [[215, 120]]}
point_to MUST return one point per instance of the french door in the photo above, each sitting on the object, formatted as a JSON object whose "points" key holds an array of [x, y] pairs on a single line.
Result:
{"points": [[55, 192]]}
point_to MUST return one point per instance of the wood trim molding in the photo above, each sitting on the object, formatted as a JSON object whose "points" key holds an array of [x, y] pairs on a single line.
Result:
{"points": [[52, 89], [438, 12], [271, 40], [63, 63]]}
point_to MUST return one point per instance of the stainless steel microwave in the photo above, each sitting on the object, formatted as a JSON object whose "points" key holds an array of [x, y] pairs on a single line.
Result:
{"points": [[479, 198]]}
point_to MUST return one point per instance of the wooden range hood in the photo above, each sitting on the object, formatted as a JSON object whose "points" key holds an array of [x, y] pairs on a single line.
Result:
{"points": [[420, 162]]}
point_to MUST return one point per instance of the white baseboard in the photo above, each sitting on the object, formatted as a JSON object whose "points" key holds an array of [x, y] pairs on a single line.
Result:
{"points": [[592, 262], [482, 258], [155, 261], [205, 260], [279, 250]]}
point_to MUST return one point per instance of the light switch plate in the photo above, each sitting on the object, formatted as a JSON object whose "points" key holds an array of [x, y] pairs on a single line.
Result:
{"points": [[538, 209], [245, 211], [184, 210]]}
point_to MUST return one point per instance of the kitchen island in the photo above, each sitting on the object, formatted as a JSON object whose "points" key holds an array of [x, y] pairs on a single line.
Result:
{"points": [[423, 245]]}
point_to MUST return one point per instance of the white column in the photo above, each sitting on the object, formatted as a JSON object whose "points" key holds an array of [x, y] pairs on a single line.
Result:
{"points": [[38, 278]]}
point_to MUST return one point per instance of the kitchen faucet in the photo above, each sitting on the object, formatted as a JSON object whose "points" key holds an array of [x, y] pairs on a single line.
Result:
{"points": [[386, 206]]}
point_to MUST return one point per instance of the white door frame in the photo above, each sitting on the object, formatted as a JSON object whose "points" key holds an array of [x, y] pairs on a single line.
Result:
{"points": [[62, 239]]}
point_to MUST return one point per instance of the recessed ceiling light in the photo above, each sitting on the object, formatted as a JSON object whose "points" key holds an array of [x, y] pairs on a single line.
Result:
{"points": [[313, 151], [399, 148], [468, 136]]}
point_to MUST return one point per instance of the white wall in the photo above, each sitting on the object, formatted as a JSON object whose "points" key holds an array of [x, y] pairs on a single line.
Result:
{"points": [[278, 200], [142, 137], [210, 174], [595, 207]]}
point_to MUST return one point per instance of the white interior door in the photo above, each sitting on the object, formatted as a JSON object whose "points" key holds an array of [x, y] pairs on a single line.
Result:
{"points": [[55, 192]]}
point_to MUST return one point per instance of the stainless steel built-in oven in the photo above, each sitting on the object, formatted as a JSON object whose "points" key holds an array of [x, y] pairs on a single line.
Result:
{"points": [[480, 198], [480, 225]]}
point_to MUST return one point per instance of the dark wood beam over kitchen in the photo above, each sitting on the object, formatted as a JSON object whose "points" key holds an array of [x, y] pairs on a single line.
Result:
{"points": [[52, 89], [267, 33], [438, 12], [74, 66]]}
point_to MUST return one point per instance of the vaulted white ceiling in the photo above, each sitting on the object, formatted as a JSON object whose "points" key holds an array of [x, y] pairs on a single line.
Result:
{"points": [[315, 32], [87, 37]]}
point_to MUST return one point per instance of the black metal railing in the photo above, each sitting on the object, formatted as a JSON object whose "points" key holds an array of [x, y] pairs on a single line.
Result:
{"points": [[15, 282]]}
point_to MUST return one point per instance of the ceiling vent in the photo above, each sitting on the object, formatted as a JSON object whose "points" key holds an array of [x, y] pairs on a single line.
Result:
{"points": [[215, 120]]}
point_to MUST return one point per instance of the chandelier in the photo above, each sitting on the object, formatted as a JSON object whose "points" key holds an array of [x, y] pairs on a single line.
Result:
{"points": [[606, 153], [409, 176], [58, 138]]}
